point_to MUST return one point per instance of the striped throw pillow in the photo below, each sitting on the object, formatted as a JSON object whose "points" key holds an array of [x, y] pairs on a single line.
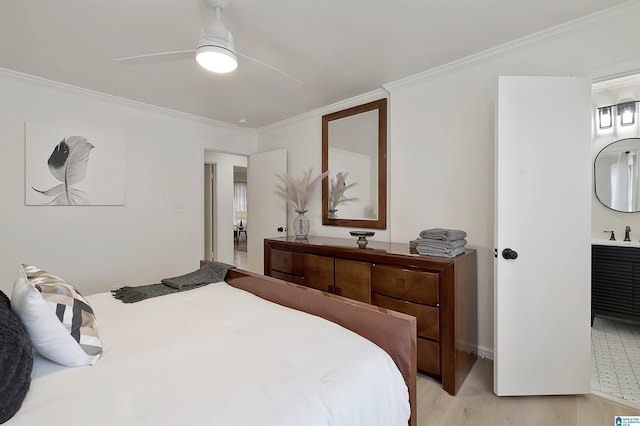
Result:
{"points": [[60, 321]]}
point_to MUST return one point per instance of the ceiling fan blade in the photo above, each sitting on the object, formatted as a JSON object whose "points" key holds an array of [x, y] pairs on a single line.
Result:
{"points": [[214, 33], [270, 66], [175, 55]]}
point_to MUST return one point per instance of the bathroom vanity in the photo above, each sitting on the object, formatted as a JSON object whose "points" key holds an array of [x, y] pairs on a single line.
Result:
{"points": [[615, 280]]}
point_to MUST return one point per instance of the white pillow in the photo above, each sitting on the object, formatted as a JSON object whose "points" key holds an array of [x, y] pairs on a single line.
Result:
{"points": [[58, 319]]}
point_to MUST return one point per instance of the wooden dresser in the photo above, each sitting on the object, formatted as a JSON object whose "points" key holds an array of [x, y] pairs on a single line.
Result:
{"points": [[440, 292]]}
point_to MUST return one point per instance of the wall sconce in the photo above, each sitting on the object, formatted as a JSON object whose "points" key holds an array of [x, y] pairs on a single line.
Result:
{"points": [[625, 110], [627, 113], [604, 117]]}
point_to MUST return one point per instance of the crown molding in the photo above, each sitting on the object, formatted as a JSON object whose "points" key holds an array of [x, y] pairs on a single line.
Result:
{"points": [[594, 20], [92, 94], [616, 82], [373, 95], [605, 17]]}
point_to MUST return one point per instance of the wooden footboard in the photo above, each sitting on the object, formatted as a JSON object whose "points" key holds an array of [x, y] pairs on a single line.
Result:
{"points": [[392, 331]]}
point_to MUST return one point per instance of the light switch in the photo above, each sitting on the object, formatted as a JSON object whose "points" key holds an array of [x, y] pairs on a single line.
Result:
{"points": [[177, 208]]}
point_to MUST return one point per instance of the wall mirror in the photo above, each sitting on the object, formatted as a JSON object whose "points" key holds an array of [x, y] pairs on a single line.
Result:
{"points": [[617, 175], [354, 147]]}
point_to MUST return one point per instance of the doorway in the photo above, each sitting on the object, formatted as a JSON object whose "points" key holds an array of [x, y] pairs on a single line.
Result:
{"points": [[615, 343], [241, 218], [222, 215]]}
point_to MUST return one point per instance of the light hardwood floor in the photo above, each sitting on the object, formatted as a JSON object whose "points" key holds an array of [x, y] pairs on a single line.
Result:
{"points": [[240, 259], [477, 405]]}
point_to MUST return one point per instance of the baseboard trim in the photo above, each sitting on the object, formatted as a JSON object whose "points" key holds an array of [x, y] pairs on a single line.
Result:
{"points": [[485, 353]]}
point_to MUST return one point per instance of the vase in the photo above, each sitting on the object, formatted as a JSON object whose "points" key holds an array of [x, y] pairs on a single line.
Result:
{"points": [[301, 224], [332, 213]]}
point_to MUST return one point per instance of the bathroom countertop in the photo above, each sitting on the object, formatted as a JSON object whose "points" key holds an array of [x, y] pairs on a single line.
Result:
{"points": [[619, 243]]}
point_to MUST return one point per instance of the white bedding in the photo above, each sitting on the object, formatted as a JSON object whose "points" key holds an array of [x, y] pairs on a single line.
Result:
{"points": [[218, 355]]}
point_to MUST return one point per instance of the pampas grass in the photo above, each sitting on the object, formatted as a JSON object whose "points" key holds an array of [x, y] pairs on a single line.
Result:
{"points": [[337, 188], [298, 192]]}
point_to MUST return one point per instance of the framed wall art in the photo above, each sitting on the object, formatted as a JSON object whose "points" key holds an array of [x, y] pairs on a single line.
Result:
{"points": [[69, 167]]}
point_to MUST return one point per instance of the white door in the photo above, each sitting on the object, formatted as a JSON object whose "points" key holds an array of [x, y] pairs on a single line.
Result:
{"points": [[266, 211], [543, 213]]}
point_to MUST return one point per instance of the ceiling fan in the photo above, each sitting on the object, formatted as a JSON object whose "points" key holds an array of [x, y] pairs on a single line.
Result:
{"points": [[215, 50]]}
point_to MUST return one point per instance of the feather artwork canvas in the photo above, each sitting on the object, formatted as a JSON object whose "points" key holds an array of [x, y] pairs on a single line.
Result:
{"points": [[68, 167]]}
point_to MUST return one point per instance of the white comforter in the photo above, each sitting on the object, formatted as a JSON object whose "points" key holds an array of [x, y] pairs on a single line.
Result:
{"points": [[217, 355]]}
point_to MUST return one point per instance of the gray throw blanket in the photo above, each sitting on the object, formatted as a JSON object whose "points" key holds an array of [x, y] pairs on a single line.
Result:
{"points": [[210, 273], [427, 251], [443, 234], [437, 244]]}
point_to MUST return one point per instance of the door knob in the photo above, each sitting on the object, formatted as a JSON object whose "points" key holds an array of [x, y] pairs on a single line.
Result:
{"points": [[509, 254]]}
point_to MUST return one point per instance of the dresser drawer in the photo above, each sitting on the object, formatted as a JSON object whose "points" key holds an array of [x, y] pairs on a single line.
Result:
{"points": [[428, 356], [406, 284], [287, 262], [428, 317], [353, 279], [297, 279], [318, 271]]}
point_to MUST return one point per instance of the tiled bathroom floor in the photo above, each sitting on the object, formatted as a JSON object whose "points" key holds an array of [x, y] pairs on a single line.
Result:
{"points": [[615, 358]]}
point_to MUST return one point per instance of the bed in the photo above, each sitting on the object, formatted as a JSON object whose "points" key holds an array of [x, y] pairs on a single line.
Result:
{"points": [[222, 354]]}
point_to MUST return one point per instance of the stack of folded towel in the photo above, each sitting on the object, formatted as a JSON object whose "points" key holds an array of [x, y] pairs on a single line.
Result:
{"points": [[439, 242]]}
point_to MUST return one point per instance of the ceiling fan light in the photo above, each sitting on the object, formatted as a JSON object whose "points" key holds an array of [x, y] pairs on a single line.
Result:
{"points": [[216, 59]]}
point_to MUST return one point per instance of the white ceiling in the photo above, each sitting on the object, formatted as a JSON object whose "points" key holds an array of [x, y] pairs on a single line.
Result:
{"points": [[338, 48]]}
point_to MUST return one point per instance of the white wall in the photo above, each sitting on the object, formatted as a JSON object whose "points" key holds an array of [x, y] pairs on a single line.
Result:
{"points": [[441, 164], [101, 247], [224, 202]]}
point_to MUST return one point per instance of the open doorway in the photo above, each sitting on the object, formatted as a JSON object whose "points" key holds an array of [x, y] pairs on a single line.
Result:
{"points": [[220, 222], [240, 214], [615, 331]]}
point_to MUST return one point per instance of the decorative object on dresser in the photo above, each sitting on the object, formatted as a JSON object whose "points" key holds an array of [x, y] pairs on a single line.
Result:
{"points": [[362, 237], [440, 292], [298, 192], [439, 242], [615, 281]]}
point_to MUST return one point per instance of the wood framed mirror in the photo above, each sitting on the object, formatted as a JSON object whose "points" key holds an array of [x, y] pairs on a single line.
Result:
{"points": [[354, 147]]}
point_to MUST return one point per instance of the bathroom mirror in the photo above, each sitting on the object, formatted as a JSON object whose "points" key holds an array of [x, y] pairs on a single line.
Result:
{"points": [[354, 144], [617, 175]]}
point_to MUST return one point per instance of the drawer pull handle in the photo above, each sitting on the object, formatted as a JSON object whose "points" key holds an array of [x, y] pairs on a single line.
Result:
{"points": [[400, 282]]}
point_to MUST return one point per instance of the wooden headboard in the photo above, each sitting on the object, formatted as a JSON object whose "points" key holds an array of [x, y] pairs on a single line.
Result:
{"points": [[392, 331]]}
